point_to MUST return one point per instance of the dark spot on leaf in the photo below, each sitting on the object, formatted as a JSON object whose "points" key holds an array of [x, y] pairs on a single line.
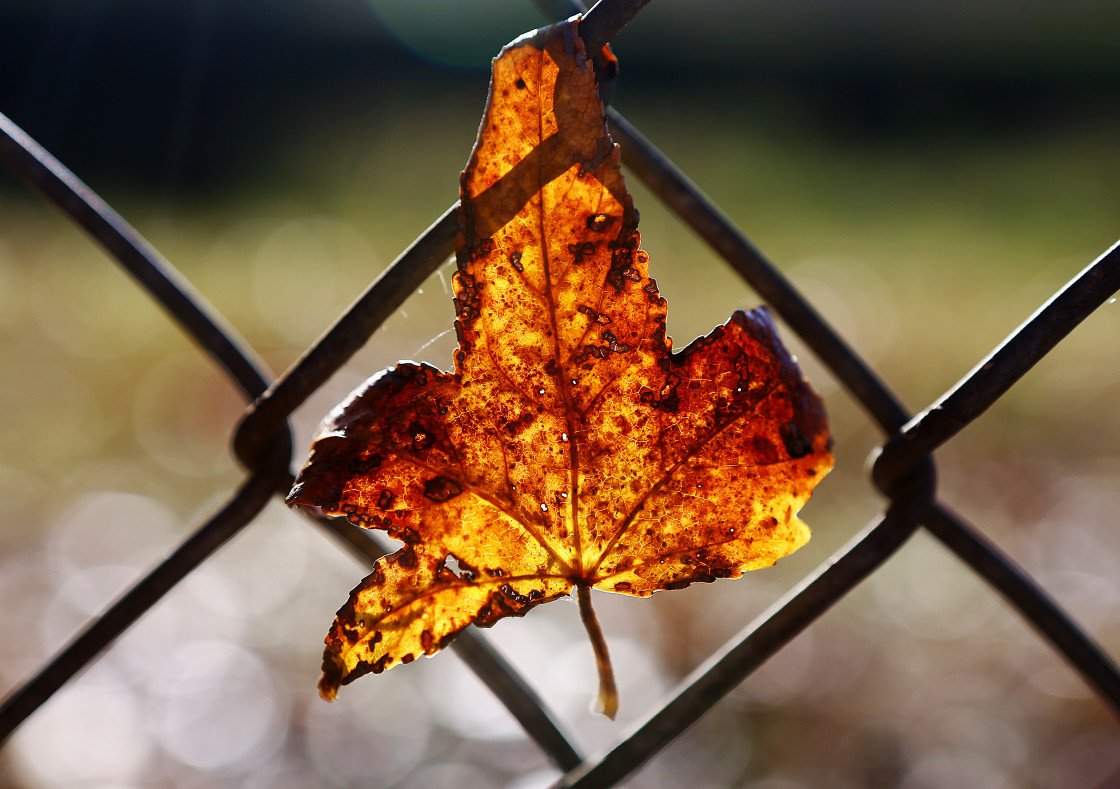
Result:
{"points": [[581, 251], [516, 426], [484, 248], [514, 595], [797, 443], [360, 670], [422, 438], [405, 534], [361, 466], [763, 452], [599, 222], [440, 489]]}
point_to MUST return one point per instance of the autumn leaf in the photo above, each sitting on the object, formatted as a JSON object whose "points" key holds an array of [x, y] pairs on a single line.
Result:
{"points": [[570, 448]]}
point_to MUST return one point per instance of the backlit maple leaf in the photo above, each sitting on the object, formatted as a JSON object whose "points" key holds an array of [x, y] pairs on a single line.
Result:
{"points": [[570, 448]]}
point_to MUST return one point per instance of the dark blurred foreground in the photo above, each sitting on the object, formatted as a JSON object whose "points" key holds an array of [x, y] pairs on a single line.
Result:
{"points": [[184, 94]]}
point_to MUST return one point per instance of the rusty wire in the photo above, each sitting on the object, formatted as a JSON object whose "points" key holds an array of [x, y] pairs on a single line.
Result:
{"points": [[903, 469]]}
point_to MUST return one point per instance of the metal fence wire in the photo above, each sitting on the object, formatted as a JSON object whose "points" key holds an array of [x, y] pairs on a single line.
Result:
{"points": [[903, 468]]}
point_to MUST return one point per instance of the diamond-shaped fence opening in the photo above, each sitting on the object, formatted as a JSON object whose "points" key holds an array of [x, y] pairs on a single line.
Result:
{"points": [[380, 744]]}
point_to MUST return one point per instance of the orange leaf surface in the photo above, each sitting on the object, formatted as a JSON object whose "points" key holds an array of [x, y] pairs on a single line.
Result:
{"points": [[570, 448]]}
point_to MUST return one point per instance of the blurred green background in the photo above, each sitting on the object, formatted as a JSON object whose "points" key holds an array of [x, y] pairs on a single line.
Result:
{"points": [[927, 173]]}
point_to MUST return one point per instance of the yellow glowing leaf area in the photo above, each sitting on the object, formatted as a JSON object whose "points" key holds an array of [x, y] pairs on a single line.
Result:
{"points": [[570, 449]]}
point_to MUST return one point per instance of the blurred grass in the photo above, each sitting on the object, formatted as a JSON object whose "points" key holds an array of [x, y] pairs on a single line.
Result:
{"points": [[924, 251]]}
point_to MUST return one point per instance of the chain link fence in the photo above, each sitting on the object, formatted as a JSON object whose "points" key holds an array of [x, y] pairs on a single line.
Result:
{"points": [[903, 468]]}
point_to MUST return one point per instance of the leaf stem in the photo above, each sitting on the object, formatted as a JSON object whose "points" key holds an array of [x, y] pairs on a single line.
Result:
{"points": [[608, 692]]}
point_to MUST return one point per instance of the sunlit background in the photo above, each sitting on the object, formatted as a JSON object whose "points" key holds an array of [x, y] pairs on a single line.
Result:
{"points": [[927, 173]]}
